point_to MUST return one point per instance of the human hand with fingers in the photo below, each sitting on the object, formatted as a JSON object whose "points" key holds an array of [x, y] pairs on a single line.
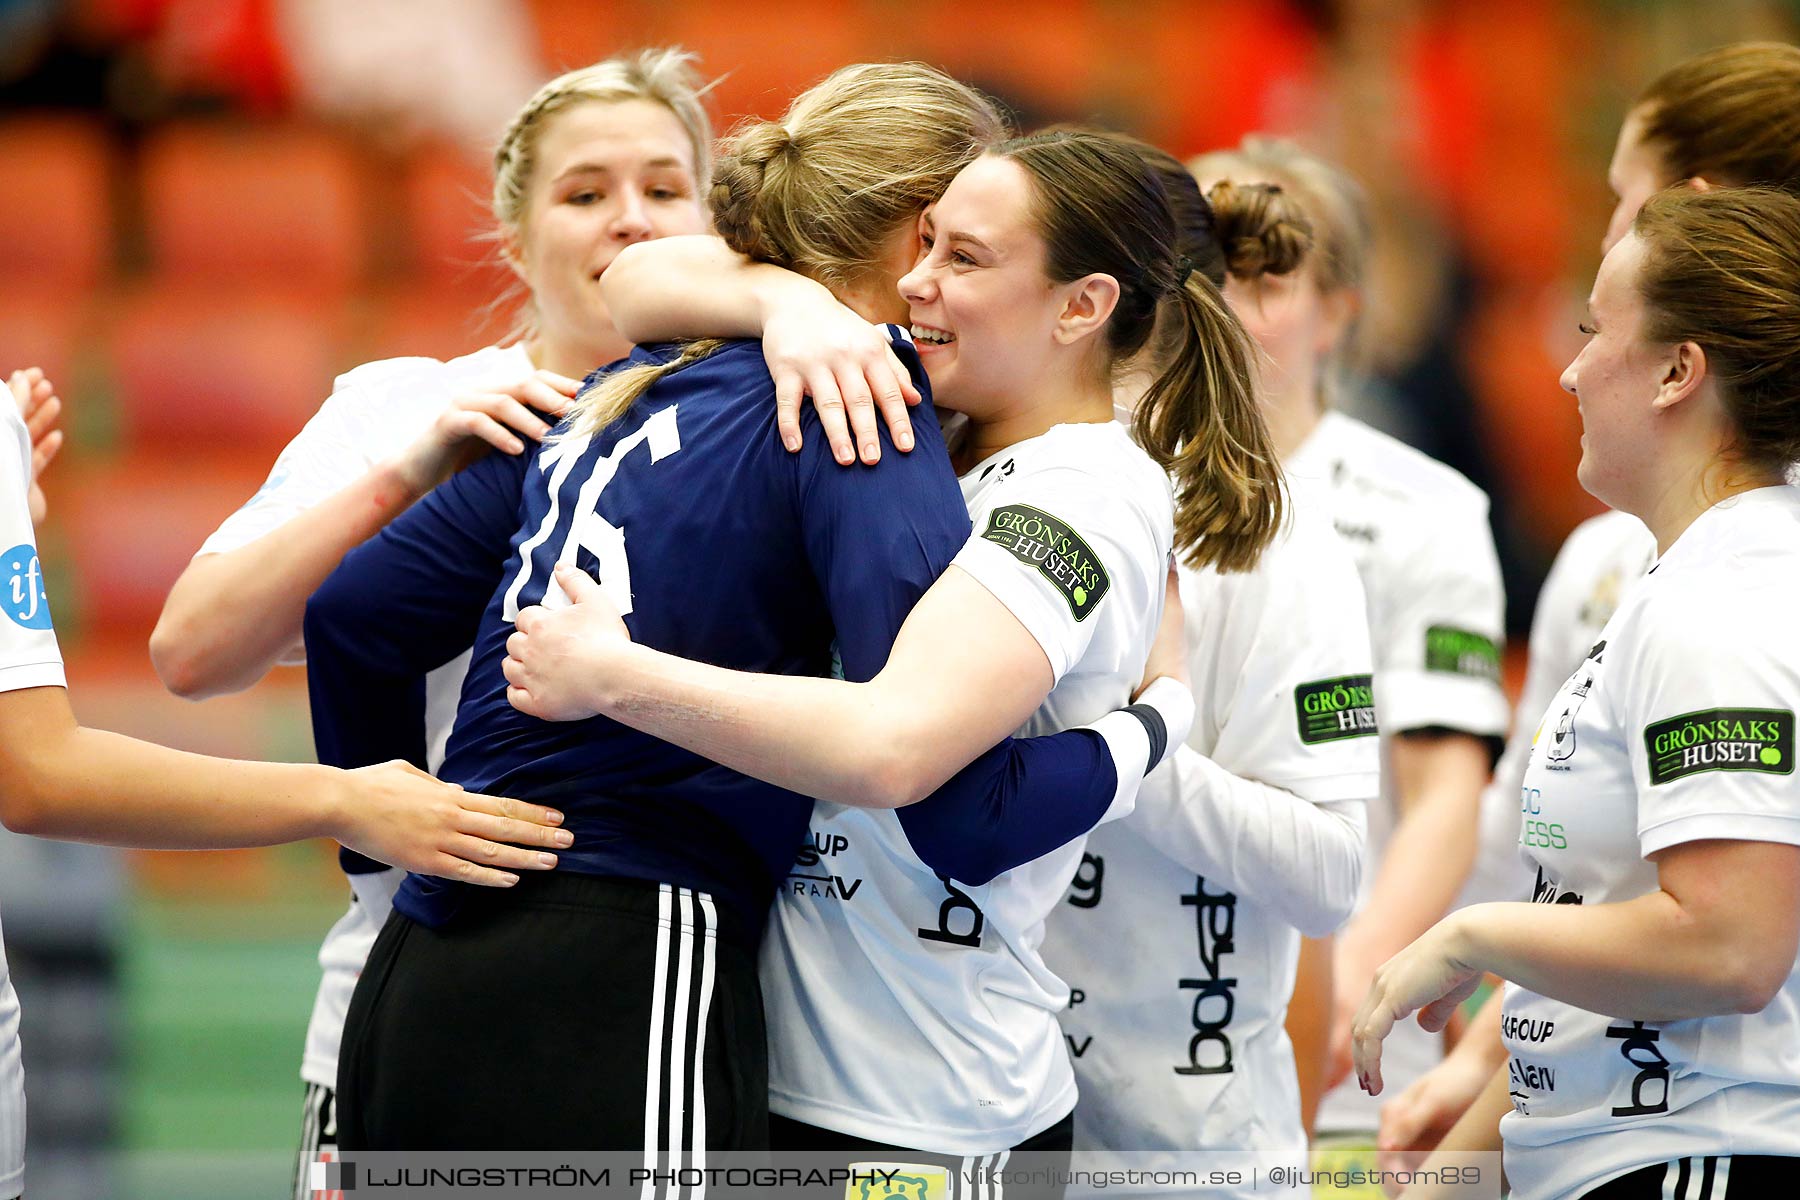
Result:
{"points": [[397, 814], [1430, 977], [472, 423], [1416, 1120], [40, 408], [557, 656], [821, 349]]}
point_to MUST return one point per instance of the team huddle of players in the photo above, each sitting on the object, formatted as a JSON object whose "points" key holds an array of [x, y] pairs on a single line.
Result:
{"points": [[829, 650]]}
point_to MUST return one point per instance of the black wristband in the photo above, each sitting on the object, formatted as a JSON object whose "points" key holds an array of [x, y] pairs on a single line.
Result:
{"points": [[1155, 728]]}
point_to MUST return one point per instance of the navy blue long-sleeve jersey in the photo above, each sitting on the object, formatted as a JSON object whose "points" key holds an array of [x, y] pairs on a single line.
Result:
{"points": [[732, 551]]}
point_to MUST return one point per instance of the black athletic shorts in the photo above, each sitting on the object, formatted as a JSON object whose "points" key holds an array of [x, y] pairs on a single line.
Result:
{"points": [[1047, 1154], [568, 1012], [1710, 1177]]}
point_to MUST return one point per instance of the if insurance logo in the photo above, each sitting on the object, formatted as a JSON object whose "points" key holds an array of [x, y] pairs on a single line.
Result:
{"points": [[24, 598]]}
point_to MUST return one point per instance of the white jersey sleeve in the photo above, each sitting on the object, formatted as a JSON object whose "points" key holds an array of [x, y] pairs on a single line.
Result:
{"points": [[1437, 656], [1709, 688], [28, 652], [1052, 549], [1274, 810], [336, 447]]}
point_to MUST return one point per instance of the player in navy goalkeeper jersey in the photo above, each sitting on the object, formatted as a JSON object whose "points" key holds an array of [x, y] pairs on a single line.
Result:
{"points": [[640, 1023]]}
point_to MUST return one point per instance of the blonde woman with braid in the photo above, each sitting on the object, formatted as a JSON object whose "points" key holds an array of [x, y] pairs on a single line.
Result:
{"points": [[913, 1016], [600, 158], [618, 1005]]}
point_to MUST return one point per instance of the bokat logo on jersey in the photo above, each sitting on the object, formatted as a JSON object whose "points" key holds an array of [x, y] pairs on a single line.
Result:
{"points": [[1057, 551], [26, 602], [1330, 710], [1215, 997], [1721, 739], [1650, 1086], [958, 909]]}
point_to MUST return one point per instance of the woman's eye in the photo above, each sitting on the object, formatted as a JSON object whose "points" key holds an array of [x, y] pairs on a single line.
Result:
{"points": [[961, 259], [585, 196], [1588, 329], [926, 240], [664, 193]]}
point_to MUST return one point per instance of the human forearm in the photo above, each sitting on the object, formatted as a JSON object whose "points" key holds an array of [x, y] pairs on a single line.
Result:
{"points": [[688, 287], [1309, 1023], [1422, 869], [64, 781], [962, 674], [1650, 958], [232, 616], [1477, 1132], [1301, 860], [881, 753]]}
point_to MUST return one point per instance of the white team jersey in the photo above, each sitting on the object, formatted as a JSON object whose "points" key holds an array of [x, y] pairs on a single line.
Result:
{"points": [[1419, 533], [1677, 727], [374, 412], [29, 658], [1599, 563], [912, 1010], [1181, 981]]}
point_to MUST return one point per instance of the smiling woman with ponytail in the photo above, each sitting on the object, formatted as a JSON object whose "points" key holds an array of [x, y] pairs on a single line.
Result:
{"points": [[1101, 210]]}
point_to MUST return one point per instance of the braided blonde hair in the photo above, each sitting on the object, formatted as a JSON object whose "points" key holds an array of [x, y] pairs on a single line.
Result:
{"points": [[822, 190], [664, 77]]}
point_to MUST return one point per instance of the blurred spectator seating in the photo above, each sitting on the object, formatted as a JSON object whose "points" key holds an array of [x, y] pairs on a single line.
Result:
{"points": [[40, 330], [56, 207], [449, 239], [198, 370], [130, 526], [265, 205]]}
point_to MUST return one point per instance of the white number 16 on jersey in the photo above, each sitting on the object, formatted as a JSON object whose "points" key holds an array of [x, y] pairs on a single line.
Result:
{"points": [[588, 530]]}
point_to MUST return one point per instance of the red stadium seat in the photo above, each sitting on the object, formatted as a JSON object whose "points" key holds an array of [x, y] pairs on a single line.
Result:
{"points": [[56, 206], [574, 33], [255, 205], [195, 369], [41, 330], [449, 224], [129, 527], [420, 319]]}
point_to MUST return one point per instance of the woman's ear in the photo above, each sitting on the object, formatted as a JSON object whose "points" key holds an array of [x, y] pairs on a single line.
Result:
{"points": [[1088, 303], [1684, 377]]}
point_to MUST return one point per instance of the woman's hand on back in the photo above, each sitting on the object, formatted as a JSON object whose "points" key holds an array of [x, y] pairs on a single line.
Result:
{"points": [[471, 423], [826, 351], [397, 814], [555, 654]]}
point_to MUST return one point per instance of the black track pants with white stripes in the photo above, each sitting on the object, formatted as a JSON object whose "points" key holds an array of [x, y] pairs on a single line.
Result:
{"points": [[566, 1013], [1712, 1177]]}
